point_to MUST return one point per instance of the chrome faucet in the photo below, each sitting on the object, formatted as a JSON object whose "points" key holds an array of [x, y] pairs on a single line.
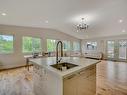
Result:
{"points": [[57, 57]]}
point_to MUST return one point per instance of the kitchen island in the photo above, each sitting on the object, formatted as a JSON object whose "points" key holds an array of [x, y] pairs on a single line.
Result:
{"points": [[79, 80]]}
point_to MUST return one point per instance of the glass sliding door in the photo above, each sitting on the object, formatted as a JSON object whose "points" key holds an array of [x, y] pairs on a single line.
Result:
{"points": [[110, 49], [122, 49]]}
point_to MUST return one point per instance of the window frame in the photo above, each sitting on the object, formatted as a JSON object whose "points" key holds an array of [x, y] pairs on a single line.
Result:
{"points": [[32, 45], [13, 48], [56, 40], [90, 43]]}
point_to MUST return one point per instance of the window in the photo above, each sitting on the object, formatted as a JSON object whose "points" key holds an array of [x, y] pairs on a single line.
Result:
{"points": [[76, 46], [91, 45], [31, 44], [66, 45], [6, 43], [51, 45]]}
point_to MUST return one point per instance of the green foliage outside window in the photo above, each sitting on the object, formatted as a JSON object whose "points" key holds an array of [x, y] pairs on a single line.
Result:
{"points": [[31, 44], [6, 44], [51, 45]]}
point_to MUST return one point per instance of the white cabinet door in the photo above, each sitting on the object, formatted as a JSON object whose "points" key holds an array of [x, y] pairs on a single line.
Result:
{"points": [[87, 82], [70, 85], [83, 83]]}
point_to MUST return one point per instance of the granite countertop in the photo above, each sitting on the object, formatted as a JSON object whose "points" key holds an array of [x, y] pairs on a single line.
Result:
{"points": [[81, 62]]}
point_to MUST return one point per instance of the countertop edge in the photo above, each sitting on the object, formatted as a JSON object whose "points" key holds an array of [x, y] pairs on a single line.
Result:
{"points": [[69, 73]]}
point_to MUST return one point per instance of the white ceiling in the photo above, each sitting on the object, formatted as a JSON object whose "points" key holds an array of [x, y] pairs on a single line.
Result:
{"points": [[63, 15]]}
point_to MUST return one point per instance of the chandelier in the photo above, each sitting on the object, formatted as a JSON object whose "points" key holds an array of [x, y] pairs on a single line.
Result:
{"points": [[82, 26]]}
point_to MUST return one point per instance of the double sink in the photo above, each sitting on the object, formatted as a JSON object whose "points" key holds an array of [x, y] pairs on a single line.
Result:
{"points": [[63, 66]]}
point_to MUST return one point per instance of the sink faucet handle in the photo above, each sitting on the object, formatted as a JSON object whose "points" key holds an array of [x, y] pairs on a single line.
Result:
{"points": [[59, 59]]}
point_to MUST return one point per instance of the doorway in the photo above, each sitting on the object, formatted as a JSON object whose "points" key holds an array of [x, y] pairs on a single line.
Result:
{"points": [[117, 50]]}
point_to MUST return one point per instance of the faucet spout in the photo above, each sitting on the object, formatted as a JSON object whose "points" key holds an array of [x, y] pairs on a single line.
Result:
{"points": [[57, 57]]}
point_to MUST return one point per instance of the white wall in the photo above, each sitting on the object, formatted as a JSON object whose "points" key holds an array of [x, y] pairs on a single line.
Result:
{"points": [[19, 32], [101, 42]]}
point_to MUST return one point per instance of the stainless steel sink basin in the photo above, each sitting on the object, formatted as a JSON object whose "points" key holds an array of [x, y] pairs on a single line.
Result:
{"points": [[64, 65]]}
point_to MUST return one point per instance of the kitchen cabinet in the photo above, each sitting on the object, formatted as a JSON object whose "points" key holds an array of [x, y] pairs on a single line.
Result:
{"points": [[81, 83], [45, 82], [39, 80], [87, 82], [80, 80], [70, 85]]}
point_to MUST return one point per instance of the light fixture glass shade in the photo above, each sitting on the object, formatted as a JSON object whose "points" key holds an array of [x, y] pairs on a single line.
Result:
{"points": [[82, 25]]}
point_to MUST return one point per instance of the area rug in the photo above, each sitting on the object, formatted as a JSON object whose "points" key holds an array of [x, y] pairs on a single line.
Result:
{"points": [[16, 82]]}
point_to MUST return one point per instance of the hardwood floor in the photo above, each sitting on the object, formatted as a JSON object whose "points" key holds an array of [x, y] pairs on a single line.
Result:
{"points": [[111, 80]]}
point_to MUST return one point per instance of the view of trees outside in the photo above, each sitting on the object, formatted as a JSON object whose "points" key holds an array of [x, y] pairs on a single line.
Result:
{"points": [[31, 44], [51, 45], [6, 44], [76, 46]]}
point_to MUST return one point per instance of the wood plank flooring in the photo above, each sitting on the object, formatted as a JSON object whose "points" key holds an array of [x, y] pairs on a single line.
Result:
{"points": [[111, 80]]}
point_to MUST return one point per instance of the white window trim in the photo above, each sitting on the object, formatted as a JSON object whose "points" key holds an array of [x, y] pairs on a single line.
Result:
{"points": [[31, 37], [1, 53]]}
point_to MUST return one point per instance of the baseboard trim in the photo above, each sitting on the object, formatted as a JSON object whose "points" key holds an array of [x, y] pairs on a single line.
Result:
{"points": [[14, 67]]}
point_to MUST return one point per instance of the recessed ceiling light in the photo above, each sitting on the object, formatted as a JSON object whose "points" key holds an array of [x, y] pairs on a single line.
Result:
{"points": [[123, 31], [3, 14], [120, 21], [46, 21]]}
